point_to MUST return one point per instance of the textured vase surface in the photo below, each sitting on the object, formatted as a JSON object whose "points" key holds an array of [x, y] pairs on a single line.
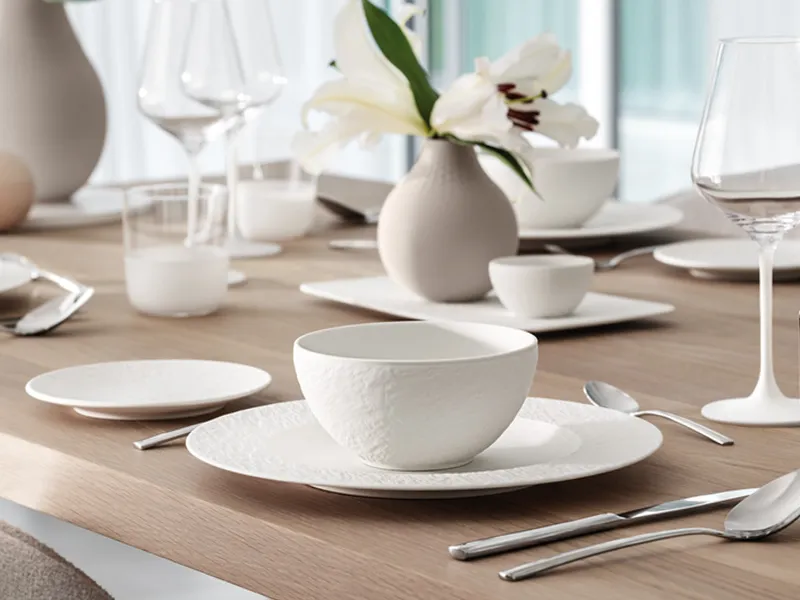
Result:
{"points": [[52, 108], [443, 223]]}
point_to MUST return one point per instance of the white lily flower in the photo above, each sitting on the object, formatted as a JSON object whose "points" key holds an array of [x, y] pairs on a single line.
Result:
{"points": [[371, 98]]}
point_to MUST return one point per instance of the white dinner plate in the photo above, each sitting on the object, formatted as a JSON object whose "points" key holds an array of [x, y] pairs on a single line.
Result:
{"points": [[381, 294], [615, 219], [13, 275], [729, 258], [550, 440], [89, 206], [148, 389]]}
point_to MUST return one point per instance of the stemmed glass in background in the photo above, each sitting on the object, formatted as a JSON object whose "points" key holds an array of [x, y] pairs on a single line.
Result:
{"points": [[232, 66], [161, 97], [747, 162]]}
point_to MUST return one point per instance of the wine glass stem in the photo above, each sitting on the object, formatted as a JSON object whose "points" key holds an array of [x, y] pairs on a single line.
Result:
{"points": [[193, 198], [232, 161], [766, 385]]}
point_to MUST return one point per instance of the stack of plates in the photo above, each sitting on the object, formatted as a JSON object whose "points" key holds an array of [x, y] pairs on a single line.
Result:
{"points": [[550, 440]]}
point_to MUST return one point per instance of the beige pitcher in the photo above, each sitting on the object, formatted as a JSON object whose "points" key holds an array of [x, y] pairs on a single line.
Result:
{"points": [[52, 109], [443, 223]]}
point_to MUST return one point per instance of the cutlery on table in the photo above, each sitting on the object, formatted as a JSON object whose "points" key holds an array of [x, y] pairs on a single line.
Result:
{"points": [[607, 396], [367, 216], [64, 283], [346, 244], [766, 511], [166, 437], [47, 317], [609, 263], [517, 540]]}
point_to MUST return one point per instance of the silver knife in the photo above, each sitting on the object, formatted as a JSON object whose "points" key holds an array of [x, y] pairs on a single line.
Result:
{"points": [[562, 531]]}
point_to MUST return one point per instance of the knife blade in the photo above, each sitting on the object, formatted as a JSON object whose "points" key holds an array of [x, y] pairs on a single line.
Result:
{"points": [[561, 531]]}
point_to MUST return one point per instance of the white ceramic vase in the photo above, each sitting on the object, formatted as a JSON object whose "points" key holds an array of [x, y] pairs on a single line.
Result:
{"points": [[442, 225], [52, 109]]}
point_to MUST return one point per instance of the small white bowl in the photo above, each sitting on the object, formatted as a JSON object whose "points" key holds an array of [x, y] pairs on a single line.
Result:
{"points": [[416, 396], [571, 186], [274, 210], [541, 286]]}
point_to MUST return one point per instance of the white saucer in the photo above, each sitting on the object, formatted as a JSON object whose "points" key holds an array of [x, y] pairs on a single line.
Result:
{"points": [[615, 219], [89, 206], [550, 440], [13, 275], [148, 389], [381, 294], [729, 258]]}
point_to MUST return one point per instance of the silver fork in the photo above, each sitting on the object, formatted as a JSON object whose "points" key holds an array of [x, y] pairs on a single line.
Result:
{"points": [[606, 264]]}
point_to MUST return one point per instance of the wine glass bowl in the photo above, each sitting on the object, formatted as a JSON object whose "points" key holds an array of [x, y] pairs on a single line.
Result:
{"points": [[747, 162], [232, 65]]}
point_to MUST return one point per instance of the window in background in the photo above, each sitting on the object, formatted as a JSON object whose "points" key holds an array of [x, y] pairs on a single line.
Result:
{"points": [[664, 56]]}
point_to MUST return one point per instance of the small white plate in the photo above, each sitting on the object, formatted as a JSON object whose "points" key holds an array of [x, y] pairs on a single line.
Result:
{"points": [[89, 206], [550, 440], [729, 258], [13, 275], [381, 294], [148, 389], [615, 219]]}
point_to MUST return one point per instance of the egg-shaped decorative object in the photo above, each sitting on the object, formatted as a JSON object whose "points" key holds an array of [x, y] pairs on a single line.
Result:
{"points": [[17, 191]]}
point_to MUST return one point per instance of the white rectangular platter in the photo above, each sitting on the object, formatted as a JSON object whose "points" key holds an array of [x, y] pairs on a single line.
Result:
{"points": [[380, 294]]}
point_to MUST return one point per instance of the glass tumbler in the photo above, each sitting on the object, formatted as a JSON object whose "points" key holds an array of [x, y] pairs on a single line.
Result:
{"points": [[176, 264]]}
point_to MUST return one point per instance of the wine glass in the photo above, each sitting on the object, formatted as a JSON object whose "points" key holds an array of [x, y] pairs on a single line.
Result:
{"points": [[233, 66], [747, 162], [162, 99]]}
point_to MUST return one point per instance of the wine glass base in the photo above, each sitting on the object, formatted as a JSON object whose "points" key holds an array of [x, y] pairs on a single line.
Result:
{"points": [[780, 411], [238, 248], [236, 278]]}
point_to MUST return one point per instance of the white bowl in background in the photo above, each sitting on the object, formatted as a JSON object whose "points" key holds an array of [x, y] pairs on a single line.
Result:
{"points": [[541, 286], [416, 396], [571, 186], [274, 210]]}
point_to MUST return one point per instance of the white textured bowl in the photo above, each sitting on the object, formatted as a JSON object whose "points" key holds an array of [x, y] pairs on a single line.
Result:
{"points": [[541, 286], [571, 186], [416, 396], [274, 210]]}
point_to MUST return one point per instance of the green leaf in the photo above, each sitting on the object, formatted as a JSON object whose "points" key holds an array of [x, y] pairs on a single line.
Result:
{"points": [[333, 64], [394, 45], [510, 160]]}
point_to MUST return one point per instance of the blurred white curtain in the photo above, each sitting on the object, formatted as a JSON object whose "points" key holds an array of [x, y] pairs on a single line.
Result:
{"points": [[113, 34]]}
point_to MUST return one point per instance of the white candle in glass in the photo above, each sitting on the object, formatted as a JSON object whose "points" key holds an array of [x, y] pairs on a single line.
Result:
{"points": [[276, 209]]}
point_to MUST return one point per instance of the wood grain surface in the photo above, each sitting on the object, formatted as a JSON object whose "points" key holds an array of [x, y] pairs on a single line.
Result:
{"points": [[289, 542]]}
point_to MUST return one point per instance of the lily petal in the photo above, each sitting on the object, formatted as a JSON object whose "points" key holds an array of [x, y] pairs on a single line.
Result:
{"points": [[403, 14], [564, 123], [535, 59], [357, 56], [471, 109], [341, 96]]}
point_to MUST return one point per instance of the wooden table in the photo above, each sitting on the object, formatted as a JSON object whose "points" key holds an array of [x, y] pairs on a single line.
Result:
{"points": [[291, 542]]}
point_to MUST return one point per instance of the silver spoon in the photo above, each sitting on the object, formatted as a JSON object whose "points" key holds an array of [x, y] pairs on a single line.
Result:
{"points": [[163, 438], [47, 317], [606, 264], [768, 510], [608, 396]]}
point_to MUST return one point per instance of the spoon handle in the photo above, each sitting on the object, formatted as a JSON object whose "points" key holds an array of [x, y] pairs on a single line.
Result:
{"points": [[537, 567], [714, 436]]}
